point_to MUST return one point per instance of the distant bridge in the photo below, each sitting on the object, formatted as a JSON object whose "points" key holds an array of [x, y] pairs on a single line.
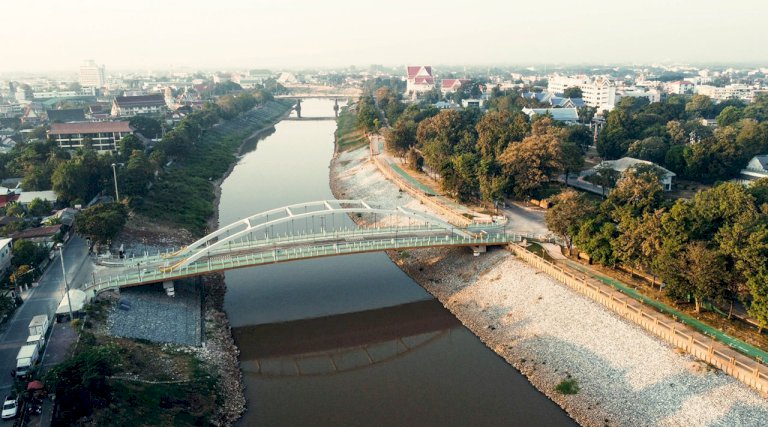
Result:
{"points": [[310, 119], [313, 95], [297, 232]]}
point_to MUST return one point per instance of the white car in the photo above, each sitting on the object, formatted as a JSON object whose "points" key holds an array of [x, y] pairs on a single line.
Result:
{"points": [[10, 407]]}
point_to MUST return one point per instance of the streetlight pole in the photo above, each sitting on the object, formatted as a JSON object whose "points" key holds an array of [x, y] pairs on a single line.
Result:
{"points": [[114, 174], [66, 285]]}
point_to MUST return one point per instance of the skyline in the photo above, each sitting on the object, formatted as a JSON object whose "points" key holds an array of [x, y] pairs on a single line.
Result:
{"points": [[340, 33]]}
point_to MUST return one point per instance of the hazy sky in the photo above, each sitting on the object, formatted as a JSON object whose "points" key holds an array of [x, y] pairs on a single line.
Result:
{"points": [[38, 35]]}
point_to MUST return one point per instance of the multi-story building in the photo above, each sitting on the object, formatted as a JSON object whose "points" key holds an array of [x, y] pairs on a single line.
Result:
{"points": [[732, 91], [103, 136], [599, 92], [419, 79], [129, 106], [680, 87], [92, 75]]}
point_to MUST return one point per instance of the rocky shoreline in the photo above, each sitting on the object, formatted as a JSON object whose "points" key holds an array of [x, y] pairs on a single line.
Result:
{"points": [[219, 350], [551, 334]]}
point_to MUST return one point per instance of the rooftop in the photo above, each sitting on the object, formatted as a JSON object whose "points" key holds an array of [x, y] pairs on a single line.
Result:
{"points": [[88, 127]]}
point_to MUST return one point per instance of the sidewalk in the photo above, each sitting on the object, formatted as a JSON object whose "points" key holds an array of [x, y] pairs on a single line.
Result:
{"points": [[427, 193]]}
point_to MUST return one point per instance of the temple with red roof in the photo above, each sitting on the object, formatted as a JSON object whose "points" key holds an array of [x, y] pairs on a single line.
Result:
{"points": [[420, 79]]}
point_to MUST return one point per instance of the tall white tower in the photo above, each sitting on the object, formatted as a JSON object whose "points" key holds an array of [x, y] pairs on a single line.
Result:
{"points": [[92, 75]]}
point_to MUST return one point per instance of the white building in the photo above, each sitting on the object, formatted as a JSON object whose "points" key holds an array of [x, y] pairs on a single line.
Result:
{"points": [[92, 75], [756, 168], [5, 254], [103, 135], [625, 163], [599, 92], [652, 95], [129, 106], [732, 91], [680, 87]]}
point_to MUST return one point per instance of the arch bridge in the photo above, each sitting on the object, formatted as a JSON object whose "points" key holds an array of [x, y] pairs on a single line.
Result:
{"points": [[297, 232]]}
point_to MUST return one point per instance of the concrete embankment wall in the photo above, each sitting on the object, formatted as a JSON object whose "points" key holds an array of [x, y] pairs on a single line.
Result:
{"points": [[452, 216], [749, 371]]}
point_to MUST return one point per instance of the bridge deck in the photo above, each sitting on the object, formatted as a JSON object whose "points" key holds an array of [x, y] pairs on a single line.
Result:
{"points": [[286, 250]]}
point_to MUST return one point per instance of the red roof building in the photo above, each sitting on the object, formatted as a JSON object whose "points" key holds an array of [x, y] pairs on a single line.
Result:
{"points": [[452, 85], [420, 79]]}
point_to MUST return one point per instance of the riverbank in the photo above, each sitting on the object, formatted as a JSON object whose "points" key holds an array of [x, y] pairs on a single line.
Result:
{"points": [[218, 352], [551, 334]]}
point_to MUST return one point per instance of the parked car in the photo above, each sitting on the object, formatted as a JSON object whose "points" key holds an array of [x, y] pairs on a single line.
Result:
{"points": [[10, 407]]}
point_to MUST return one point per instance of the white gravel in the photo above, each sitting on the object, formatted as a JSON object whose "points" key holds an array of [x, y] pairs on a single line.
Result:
{"points": [[626, 376]]}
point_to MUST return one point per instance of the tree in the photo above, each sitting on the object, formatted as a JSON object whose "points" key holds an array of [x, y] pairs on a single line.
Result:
{"points": [[637, 192], [641, 239], [653, 149], [572, 92], [573, 159], [706, 273], [596, 237], [147, 126], [569, 212], [605, 177], [729, 116], [699, 106], [536, 160], [127, 144], [27, 253], [38, 207], [497, 130], [102, 223], [613, 141]]}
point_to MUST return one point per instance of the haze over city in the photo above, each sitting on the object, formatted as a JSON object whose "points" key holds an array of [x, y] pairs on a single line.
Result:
{"points": [[269, 33]]}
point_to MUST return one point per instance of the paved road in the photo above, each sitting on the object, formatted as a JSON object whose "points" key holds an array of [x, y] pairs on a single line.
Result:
{"points": [[525, 220], [43, 299]]}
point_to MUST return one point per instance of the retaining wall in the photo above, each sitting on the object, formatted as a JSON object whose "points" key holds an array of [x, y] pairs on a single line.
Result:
{"points": [[749, 371]]}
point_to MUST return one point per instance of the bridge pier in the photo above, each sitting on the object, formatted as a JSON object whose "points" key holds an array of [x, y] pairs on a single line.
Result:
{"points": [[477, 250], [169, 289]]}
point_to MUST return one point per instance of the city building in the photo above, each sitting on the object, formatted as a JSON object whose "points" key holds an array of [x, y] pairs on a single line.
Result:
{"points": [[92, 75], [625, 163], [567, 115], [680, 87], [104, 136], [452, 85], [599, 92], [65, 116], [6, 254], [732, 91], [419, 79], [129, 106], [756, 168]]}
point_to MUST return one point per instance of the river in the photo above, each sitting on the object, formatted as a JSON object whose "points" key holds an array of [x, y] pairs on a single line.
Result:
{"points": [[352, 340]]}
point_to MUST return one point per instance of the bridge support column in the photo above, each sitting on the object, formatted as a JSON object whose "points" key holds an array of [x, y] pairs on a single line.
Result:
{"points": [[477, 250], [169, 289]]}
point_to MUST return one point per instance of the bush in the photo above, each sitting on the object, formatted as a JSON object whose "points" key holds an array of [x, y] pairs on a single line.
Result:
{"points": [[568, 386]]}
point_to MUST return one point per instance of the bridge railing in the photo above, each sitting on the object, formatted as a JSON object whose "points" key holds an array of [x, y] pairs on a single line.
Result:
{"points": [[230, 260]]}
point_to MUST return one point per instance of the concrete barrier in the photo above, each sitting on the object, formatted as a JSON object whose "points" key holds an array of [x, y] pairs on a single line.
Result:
{"points": [[751, 372]]}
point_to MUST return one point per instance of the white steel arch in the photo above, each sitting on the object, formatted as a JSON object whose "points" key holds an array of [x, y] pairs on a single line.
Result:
{"points": [[261, 221]]}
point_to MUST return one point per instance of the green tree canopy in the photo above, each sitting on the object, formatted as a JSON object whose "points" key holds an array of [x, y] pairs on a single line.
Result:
{"points": [[102, 222]]}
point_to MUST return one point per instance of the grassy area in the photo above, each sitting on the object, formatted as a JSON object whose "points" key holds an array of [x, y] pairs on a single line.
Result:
{"points": [[183, 194], [540, 251], [132, 382], [348, 134], [568, 386]]}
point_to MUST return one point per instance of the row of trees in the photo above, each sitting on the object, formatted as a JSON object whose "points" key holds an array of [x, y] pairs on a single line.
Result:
{"points": [[486, 156], [710, 249], [671, 133]]}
